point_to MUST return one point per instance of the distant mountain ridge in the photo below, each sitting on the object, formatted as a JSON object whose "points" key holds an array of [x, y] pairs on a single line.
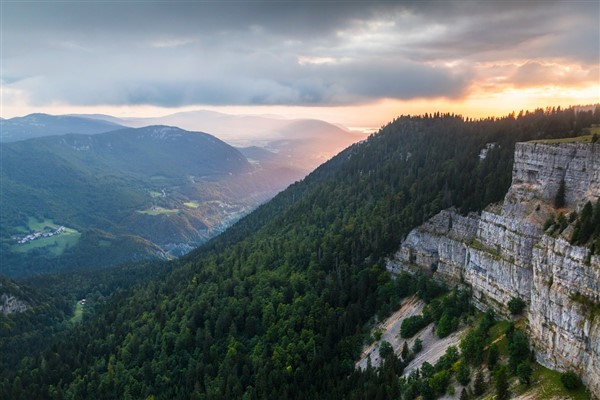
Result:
{"points": [[127, 194], [147, 191], [300, 143], [38, 125], [137, 150]]}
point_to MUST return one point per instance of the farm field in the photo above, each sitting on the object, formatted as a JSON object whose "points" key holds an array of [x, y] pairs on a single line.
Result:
{"points": [[158, 211], [55, 244], [78, 314]]}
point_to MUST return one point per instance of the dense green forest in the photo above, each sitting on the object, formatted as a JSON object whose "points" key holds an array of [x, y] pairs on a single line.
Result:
{"points": [[52, 298], [279, 305], [121, 196]]}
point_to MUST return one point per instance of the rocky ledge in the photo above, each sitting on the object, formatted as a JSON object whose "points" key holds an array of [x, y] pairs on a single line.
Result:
{"points": [[10, 304], [503, 253]]}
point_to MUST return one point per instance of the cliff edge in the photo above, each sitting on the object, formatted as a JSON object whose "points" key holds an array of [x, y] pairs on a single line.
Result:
{"points": [[504, 253]]}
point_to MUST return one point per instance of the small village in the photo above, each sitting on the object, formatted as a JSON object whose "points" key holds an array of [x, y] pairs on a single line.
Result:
{"points": [[39, 235]]}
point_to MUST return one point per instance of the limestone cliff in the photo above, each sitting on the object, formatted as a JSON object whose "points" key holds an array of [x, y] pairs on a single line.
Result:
{"points": [[504, 253], [13, 299], [10, 304]]}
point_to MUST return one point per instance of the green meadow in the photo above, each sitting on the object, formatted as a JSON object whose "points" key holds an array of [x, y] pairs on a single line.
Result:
{"points": [[158, 211], [55, 245], [192, 204]]}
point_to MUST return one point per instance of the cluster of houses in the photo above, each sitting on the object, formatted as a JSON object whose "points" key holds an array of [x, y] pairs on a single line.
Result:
{"points": [[37, 235]]}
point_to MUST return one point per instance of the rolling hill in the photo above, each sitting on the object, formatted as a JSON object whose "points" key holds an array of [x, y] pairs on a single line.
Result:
{"points": [[301, 144], [38, 125], [123, 195]]}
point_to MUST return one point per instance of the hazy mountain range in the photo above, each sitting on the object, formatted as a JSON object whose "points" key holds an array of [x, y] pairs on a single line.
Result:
{"points": [[300, 143], [38, 125], [124, 193]]}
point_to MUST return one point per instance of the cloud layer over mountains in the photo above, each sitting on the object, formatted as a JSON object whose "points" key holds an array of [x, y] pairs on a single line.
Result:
{"points": [[297, 53]]}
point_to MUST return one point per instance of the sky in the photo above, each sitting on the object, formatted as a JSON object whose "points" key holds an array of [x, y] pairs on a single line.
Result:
{"points": [[350, 62]]}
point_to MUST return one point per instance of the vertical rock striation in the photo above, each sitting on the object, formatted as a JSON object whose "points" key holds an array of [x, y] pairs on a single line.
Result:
{"points": [[505, 254], [539, 169], [10, 304], [564, 317]]}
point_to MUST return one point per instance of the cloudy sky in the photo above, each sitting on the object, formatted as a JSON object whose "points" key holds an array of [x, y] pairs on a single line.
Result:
{"points": [[356, 63]]}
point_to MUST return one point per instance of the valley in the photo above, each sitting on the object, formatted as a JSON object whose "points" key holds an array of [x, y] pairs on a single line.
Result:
{"points": [[300, 200], [154, 192], [294, 292], [45, 235]]}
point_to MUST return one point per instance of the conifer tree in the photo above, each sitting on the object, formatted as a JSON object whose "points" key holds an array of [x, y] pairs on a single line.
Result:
{"points": [[479, 385], [463, 376], [501, 385], [524, 372]]}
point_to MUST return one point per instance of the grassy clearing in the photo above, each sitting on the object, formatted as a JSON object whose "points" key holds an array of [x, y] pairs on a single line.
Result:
{"points": [[577, 139], [56, 244], [158, 211], [498, 329], [192, 204], [546, 385], [76, 318], [159, 178], [594, 129], [36, 225], [154, 194]]}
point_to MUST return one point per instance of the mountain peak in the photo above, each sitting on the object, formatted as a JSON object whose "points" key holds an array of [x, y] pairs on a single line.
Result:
{"points": [[39, 125]]}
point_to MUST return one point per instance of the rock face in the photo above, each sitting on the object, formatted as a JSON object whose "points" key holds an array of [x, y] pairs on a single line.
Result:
{"points": [[503, 253], [10, 304], [564, 316], [12, 298], [539, 169]]}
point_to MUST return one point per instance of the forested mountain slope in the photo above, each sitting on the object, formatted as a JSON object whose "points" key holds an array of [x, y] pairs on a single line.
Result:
{"points": [[300, 144], [119, 196], [277, 306]]}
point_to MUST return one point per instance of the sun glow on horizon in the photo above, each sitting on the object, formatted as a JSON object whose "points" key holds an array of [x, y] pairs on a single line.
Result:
{"points": [[367, 118]]}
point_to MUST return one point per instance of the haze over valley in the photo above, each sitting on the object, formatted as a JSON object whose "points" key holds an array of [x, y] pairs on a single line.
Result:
{"points": [[139, 193]]}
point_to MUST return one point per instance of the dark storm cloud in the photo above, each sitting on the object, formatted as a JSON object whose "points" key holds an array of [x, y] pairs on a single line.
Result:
{"points": [[277, 52], [496, 30]]}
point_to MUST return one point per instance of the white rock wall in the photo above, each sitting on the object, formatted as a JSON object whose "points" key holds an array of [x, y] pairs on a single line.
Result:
{"points": [[565, 331], [539, 168], [504, 256], [10, 304]]}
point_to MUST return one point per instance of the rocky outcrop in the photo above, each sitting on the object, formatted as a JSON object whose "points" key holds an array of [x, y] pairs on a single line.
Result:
{"points": [[13, 298], [439, 244], [564, 317], [539, 169], [503, 253], [10, 304]]}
